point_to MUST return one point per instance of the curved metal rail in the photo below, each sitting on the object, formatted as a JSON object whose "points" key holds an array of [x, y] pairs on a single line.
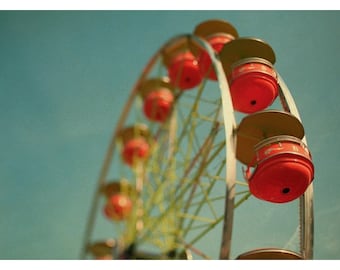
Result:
{"points": [[229, 127], [306, 201]]}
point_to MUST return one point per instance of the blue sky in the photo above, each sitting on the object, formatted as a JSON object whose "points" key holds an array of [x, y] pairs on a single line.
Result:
{"points": [[64, 77]]}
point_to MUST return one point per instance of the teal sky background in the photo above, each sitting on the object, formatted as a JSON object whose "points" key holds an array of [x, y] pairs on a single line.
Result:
{"points": [[65, 76]]}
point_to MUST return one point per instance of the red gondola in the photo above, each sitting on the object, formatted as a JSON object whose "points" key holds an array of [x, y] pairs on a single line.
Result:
{"points": [[135, 150], [158, 105], [217, 43], [270, 254], [118, 207], [217, 33], [136, 144], [253, 85], [158, 99], [248, 64], [284, 169], [184, 71], [181, 62]]}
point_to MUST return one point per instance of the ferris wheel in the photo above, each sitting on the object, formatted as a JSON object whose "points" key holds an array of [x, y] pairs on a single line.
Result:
{"points": [[208, 127]]}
